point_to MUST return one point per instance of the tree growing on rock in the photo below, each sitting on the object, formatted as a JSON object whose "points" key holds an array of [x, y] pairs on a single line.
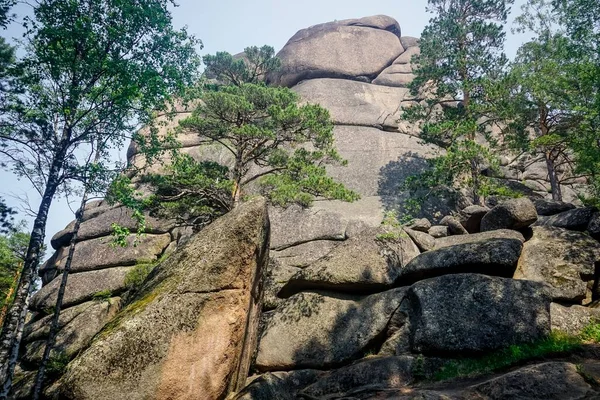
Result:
{"points": [[461, 47], [93, 71], [273, 143]]}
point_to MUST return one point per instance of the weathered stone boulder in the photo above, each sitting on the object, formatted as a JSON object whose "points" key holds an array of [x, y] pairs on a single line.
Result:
{"points": [[376, 373], [470, 217], [101, 225], [77, 334], [82, 287], [548, 207], [561, 258], [191, 330], [424, 241], [99, 253], [278, 385], [355, 103], [454, 225], [304, 254], [438, 231], [478, 237], [593, 227], [311, 330], [471, 313], [419, 224], [511, 214], [572, 319], [350, 49], [575, 220], [396, 75], [496, 257], [364, 264], [547, 381]]}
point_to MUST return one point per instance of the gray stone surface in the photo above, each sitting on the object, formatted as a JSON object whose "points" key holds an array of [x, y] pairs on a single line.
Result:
{"points": [[575, 220], [78, 333], [375, 373], [496, 257], [547, 381], [470, 313], [345, 49], [355, 103], [438, 231], [548, 207], [191, 329], [278, 385], [572, 319], [311, 330], [478, 237], [276, 277], [40, 328], [395, 75], [420, 224], [81, 287], [454, 225], [102, 226], [593, 227], [471, 217], [100, 253], [302, 255], [510, 214], [378, 162], [424, 241], [409, 41], [360, 265], [561, 258]]}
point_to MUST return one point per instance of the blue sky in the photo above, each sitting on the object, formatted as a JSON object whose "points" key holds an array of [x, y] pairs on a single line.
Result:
{"points": [[232, 25]]}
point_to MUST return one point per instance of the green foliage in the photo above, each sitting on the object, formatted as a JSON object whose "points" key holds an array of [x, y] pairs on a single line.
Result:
{"points": [[102, 295], [555, 344], [57, 364], [461, 48], [265, 126], [12, 253], [252, 67]]}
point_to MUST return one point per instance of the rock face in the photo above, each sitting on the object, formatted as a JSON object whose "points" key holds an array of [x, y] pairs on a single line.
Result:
{"points": [[496, 257], [312, 330], [561, 258], [469, 313], [512, 214], [191, 330], [345, 49]]}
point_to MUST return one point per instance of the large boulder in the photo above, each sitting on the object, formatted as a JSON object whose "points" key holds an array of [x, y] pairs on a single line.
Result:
{"points": [[561, 258], [546, 207], [497, 257], [572, 319], [311, 330], [304, 254], [470, 217], [351, 49], [366, 263], [102, 225], [77, 334], [280, 385], [547, 381], [511, 214], [576, 219], [471, 313], [191, 331], [478, 237], [100, 253], [355, 103], [81, 287]]}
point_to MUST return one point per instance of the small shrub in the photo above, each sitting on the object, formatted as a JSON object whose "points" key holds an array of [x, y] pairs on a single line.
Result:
{"points": [[591, 333], [57, 363], [556, 343], [102, 295]]}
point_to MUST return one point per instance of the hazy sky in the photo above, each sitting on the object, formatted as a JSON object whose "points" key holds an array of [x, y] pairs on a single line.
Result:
{"points": [[232, 25]]}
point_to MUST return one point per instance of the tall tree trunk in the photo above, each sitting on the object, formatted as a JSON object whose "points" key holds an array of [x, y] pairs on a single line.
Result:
{"points": [[554, 184], [10, 339], [54, 327]]}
